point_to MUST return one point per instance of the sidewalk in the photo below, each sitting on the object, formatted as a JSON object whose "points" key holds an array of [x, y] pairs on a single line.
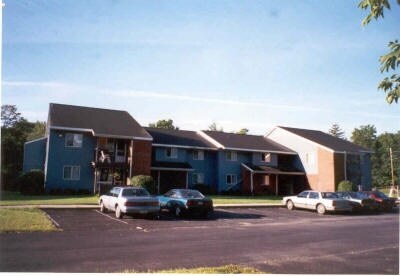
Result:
{"points": [[95, 206]]}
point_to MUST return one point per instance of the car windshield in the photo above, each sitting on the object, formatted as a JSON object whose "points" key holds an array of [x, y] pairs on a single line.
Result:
{"points": [[135, 192], [329, 195], [191, 194]]}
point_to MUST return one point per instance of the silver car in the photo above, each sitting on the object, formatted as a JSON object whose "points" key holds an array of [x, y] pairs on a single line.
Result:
{"points": [[319, 201], [129, 200]]}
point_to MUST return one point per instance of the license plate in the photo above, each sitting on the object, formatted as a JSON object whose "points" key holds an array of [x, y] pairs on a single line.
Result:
{"points": [[200, 203]]}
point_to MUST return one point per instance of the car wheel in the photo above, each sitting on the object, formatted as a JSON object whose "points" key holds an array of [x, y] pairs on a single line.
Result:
{"points": [[178, 212], [290, 205], [102, 208], [321, 209], [118, 213]]}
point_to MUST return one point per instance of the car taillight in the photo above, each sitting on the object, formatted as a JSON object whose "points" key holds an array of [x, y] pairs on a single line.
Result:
{"points": [[190, 203], [333, 203]]}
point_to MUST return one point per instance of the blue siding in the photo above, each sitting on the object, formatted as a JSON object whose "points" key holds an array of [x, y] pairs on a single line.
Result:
{"points": [[365, 166], [60, 156], [231, 167], [257, 160], [206, 166], [34, 155]]}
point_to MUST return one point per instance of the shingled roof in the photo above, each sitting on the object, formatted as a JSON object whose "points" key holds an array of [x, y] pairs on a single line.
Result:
{"points": [[101, 122], [183, 138], [244, 142], [326, 140]]}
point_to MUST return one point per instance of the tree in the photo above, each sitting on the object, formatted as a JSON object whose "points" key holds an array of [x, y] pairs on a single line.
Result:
{"points": [[364, 136], [15, 131], [38, 131], [336, 131], [9, 116], [390, 61], [215, 127], [243, 131], [166, 124]]}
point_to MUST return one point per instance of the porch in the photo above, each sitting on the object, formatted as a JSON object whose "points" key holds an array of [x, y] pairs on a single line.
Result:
{"points": [[170, 175], [261, 180]]}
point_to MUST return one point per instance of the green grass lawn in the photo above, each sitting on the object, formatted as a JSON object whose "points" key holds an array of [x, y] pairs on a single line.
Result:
{"points": [[24, 220], [15, 198], [226, 269], [222, 199]]}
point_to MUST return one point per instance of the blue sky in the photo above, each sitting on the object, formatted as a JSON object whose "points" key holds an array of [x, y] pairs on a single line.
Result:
{"points": [[241, 64]]}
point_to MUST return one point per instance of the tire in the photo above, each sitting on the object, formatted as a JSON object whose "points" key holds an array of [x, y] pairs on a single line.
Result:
{"points": [[118, 213], [102, 208], [290, 205], [321, 209], [178, 211]]}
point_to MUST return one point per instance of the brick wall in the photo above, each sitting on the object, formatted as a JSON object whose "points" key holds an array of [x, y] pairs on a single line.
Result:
{"points": [[141, 157], [325, 179]]}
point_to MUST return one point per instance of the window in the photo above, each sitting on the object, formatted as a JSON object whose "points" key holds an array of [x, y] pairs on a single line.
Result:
{"points": [[73, 140], [231, 179], [171, 153], [303, 194], [231, 156], [72, 173], [266, 157], [313, 195], [198, 155], [198, 178], [310, 159]]}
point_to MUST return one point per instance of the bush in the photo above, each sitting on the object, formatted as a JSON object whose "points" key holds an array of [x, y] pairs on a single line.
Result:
{"points": [[144, 181], [346, 186], [204, 189], [31, 183]]}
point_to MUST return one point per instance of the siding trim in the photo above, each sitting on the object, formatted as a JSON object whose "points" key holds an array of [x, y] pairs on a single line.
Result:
{"points": [[260, 151], [35, 140], [101, 135], [182, 147], [171, 169]]}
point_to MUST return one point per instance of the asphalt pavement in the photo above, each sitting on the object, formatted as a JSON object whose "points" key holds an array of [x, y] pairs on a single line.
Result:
{"points": [[274, 240]]}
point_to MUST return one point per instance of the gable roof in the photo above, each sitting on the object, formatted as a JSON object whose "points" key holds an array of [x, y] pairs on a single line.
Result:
{"points": [[100, 122], [244, 142], [326, 140], [179, 138]]}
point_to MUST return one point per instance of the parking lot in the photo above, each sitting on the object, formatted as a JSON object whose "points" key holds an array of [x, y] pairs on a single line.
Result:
{"points": [[273, 240]]}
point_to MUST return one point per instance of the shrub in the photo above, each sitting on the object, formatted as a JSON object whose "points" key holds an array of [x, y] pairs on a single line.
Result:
{"points": [[144, 181], [31, 183], [204, 189], [346, 186]]}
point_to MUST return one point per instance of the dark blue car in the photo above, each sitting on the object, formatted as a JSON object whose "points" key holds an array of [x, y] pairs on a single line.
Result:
{"points": [[182, 202]]}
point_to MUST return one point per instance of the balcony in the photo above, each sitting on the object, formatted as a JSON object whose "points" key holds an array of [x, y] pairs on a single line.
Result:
{"points": [[109, 159]]}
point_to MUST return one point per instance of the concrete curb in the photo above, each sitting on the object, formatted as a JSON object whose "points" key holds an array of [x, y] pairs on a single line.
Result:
{"points": [[92, 206]]}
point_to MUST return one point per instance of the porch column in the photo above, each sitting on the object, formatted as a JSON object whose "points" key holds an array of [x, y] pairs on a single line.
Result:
{"points": [[251, 183], [345, 166], [187, 180], [276, 184], [131, 159], [158, 182]]}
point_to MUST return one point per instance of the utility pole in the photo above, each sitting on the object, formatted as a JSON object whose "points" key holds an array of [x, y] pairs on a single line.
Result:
{"points": [[394, 191], [391, 166]]}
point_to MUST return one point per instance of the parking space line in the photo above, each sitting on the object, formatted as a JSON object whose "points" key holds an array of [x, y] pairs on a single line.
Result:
{"points": [[53, 221], [97, 211]]}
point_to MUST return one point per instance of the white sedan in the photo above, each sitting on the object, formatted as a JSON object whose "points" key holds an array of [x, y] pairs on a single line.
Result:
{"points": [[129, 200], [319, 201]]}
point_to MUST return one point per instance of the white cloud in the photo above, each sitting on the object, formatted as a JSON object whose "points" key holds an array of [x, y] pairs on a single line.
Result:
{"points": [[43, 84]]}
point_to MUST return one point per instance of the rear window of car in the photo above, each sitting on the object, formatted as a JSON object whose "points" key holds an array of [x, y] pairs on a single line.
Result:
{"points": [[329, 195], [191, 194], [135, 192]]}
